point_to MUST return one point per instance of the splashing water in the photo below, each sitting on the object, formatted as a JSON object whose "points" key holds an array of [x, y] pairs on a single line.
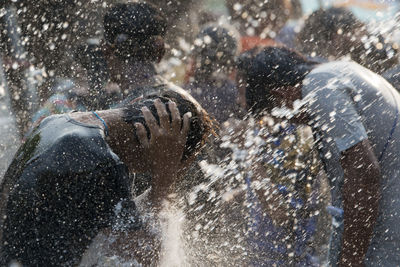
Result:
{"points": [[172, 247]]}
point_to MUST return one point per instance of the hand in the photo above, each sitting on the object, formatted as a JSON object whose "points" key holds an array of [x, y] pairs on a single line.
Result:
{"points": [[165, 147]]}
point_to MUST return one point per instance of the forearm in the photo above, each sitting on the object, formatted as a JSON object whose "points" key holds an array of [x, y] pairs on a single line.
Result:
{"points": [[359, 222], [164, 188], [361, 196]]}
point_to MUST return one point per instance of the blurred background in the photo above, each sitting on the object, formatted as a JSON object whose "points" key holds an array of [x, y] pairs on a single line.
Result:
{"points": [[365, 9]]}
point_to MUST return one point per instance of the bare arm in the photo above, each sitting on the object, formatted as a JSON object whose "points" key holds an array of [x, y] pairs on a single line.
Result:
{"points": [[361, 194]]}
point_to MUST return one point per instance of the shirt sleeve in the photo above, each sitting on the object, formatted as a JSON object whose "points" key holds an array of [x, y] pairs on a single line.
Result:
{"points": [[333, 111]]}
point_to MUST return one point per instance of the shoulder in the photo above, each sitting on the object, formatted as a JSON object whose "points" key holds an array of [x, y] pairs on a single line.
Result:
{"points": [[182, 92], [340, 69], [334, 66], [57, 148], [82, 149], [57, 104], [331, 75], [68, 145]]}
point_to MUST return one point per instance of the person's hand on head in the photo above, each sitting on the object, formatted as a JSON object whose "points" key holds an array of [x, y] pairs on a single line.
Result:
{"points": [[164, 150]]}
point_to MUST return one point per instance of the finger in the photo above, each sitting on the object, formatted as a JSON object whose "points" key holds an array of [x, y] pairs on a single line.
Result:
{"points": [[150, 121], [186, 124], [142, 134], [176, 122], [162, 114]]}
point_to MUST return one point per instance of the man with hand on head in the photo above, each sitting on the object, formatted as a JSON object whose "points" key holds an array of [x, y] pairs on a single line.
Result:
{"points": [[67, 178]]}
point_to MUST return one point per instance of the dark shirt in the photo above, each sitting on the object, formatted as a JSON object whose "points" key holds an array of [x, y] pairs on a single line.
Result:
{"points": [[58, 192]]}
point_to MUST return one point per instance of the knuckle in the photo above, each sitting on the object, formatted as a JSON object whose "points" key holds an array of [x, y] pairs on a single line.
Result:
{"points": [[163, 114]]}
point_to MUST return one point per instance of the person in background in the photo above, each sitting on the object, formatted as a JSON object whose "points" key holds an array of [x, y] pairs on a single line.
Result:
{"points": [[288, 34], [133, 43], [67, 180], [50, 32], [284, 183], [259, 22], [181, 20], [336, 32], [214, 54], [68, 95], [353, 113]]}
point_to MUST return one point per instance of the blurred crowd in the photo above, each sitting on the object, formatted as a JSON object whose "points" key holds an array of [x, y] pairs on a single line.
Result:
{"points": [[292, 126]]}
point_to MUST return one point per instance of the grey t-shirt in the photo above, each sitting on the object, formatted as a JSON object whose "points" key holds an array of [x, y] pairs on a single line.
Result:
{"points": [[347, 104]]}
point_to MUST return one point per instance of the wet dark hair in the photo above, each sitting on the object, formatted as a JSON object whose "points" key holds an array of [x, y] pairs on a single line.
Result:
{"points": [[215, 48], [269, 68], [321, 27], [323, 24], [136, 31], [200, 124]]}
